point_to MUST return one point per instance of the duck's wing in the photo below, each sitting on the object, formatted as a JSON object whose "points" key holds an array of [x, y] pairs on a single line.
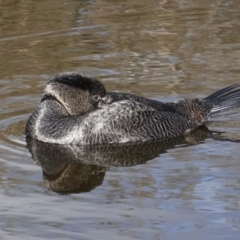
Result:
{"points": [[128, 121]]}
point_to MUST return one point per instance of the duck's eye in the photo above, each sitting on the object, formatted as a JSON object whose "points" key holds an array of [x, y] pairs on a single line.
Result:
{"points": [[95, 98]]}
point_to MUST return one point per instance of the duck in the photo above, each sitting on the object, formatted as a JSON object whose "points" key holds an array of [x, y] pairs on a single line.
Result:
{"points": [[77, 109]]}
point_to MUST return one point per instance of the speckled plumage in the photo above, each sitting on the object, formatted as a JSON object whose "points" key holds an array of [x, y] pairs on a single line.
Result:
{"points": [[77, 110]]}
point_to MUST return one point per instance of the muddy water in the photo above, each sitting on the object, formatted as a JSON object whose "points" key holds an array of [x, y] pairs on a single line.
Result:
{"points": [[166, 49]]}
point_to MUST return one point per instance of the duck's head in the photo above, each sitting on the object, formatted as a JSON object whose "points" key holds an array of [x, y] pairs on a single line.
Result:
{"points": [[77, 93]]}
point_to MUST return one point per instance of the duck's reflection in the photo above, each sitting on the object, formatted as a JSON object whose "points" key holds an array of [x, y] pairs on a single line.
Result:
{"points": [[69, 169]]}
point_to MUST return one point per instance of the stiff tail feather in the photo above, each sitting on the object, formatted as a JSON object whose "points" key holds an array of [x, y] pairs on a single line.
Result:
{"points": [[224, 100]]}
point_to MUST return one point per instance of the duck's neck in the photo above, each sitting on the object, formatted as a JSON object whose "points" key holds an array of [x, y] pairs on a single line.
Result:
{"points": [[51, 123]]}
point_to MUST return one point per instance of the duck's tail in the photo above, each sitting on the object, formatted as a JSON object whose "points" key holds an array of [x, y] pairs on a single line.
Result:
{"points": [[224, 100]]}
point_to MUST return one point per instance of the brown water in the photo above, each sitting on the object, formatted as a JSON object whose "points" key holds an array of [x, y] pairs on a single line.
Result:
{"points": [[166, 49]]}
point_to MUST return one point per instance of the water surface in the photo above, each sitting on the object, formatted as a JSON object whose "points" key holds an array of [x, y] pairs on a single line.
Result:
{"points": [[165, 50]]}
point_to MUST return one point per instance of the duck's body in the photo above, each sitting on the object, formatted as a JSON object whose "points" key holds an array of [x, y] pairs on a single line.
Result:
{"points": [[108, 117]]}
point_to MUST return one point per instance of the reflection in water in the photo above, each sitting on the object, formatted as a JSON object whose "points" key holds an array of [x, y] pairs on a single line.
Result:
{"points": [[68, 168]]}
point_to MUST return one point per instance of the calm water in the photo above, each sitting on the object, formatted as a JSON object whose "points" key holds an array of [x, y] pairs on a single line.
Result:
{"points": [[166, 49]]}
